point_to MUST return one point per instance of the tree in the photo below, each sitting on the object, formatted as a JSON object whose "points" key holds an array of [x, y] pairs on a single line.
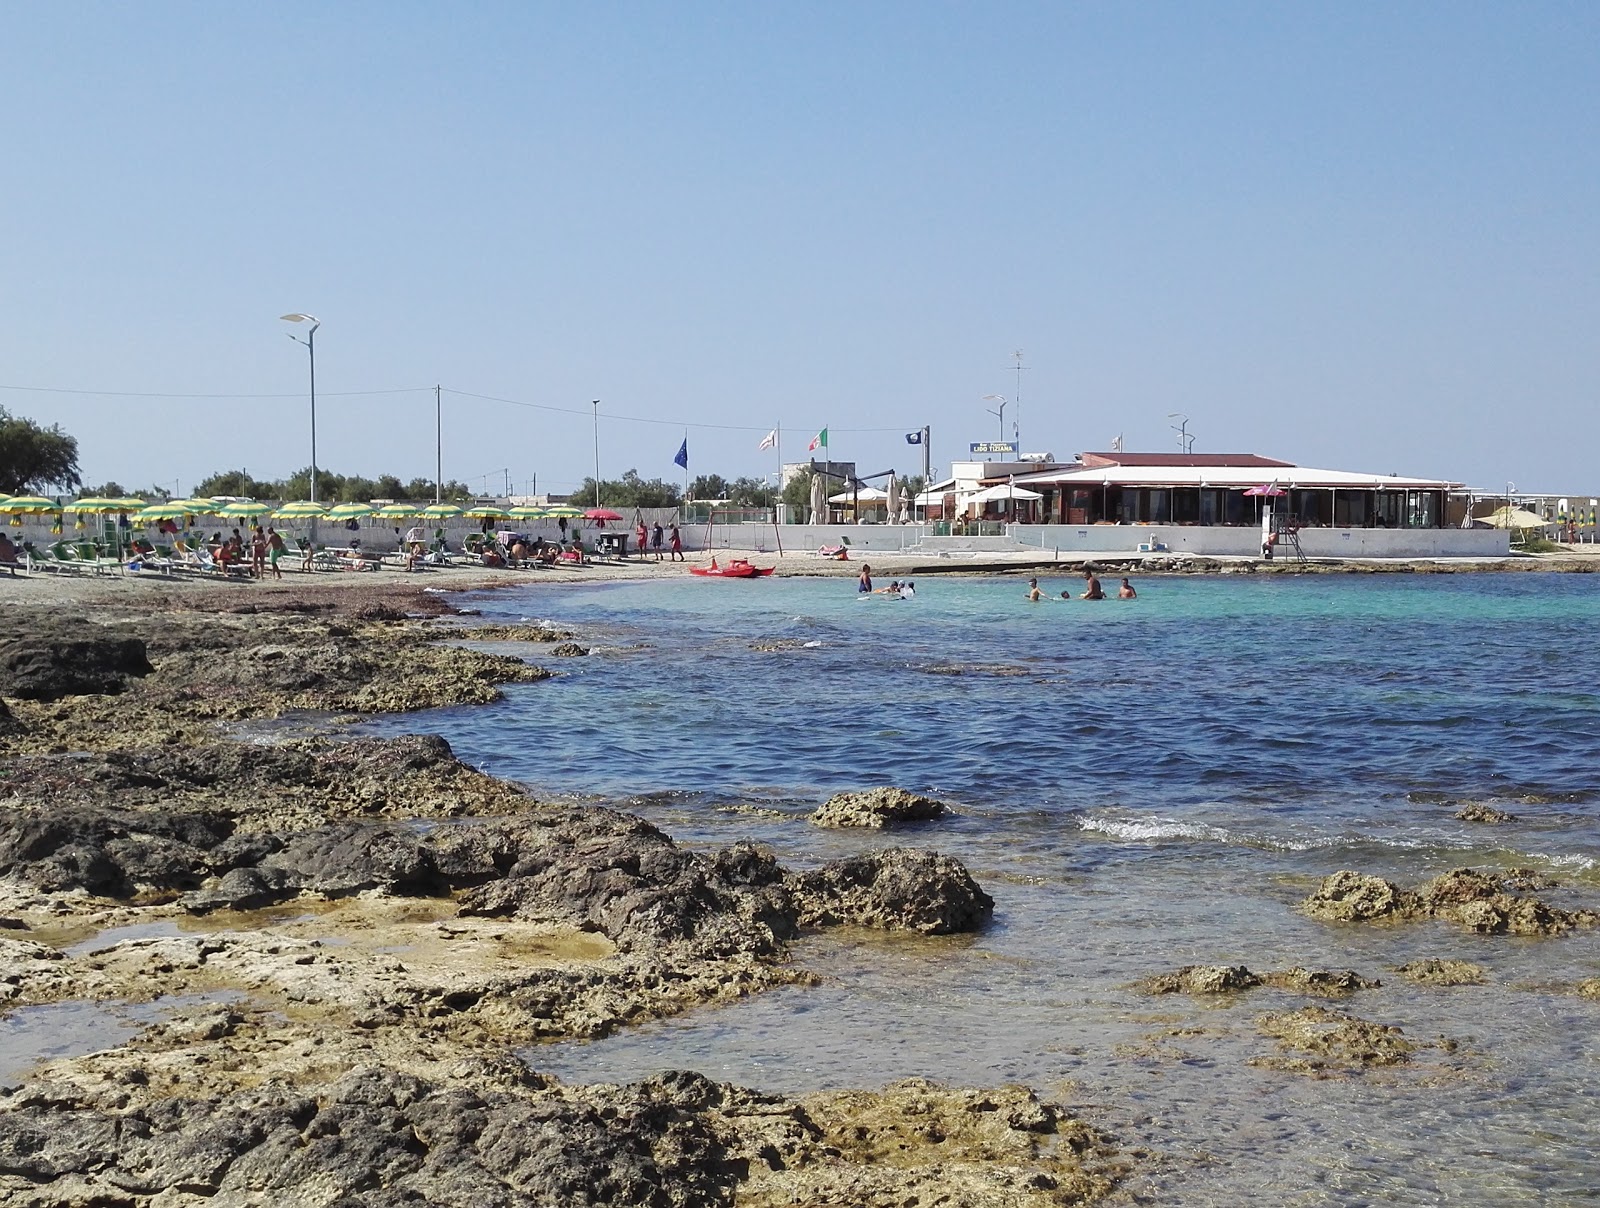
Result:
{"points": [[33, 458], [751, 493], [234, 482], [107, 490], [709, 486], [797, 491], [630, 491]]}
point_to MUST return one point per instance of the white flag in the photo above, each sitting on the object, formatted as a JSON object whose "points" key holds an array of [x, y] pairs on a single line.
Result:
{"points": [[770, 440], [1116, 443]]}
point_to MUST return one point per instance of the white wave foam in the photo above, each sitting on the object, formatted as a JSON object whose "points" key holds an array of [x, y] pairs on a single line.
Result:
{"points": [[1153, 828]]}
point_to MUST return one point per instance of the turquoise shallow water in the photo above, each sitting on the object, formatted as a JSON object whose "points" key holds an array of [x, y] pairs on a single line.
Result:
{"points": [[1141, 785]]}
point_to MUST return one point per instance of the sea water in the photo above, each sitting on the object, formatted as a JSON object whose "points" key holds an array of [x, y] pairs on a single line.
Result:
{"points": [[1140, 785]]}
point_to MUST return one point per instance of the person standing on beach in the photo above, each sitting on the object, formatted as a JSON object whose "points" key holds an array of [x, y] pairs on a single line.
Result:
{"points": [[641, 533], [655, 540], [677, 546], [275, 550], [258, 552]]}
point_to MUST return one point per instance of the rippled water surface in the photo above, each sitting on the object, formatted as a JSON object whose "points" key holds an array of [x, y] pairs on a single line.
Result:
{"points": [[1141, 785]]}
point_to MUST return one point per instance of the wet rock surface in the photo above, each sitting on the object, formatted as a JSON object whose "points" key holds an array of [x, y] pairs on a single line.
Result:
{"points": [[1322, 1041], [380, 1137], [368, 929], [205, 668], [1224, 979], [877, 809], [1437, 971], [53, 658], [1480, 901], [1481, 811]]}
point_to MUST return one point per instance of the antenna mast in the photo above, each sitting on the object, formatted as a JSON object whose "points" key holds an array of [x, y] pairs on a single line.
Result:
{"points": [[1016, 416]]}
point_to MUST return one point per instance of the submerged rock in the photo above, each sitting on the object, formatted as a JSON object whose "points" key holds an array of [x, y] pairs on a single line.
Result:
{"points": [[570, 650], [1222, 979], [1479, 811], [877, 809], [1436, 971], [1332, 1041]]}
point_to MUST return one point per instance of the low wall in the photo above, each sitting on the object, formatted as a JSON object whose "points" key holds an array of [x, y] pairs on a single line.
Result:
{"points": [[1246, 542]]}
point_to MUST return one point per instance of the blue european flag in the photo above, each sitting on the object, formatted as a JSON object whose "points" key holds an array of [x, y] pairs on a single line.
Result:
{"points": [[682, 459]]}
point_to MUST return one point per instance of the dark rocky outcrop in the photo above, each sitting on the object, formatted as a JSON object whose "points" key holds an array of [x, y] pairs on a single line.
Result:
{"points": [[1479, 811], [902, 889], [1435, 971], [51, 662], [1319, 1040], [877, 809]]}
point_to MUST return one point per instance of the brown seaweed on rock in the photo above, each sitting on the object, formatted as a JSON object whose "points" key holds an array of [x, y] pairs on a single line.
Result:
{"points": [[1319, 1040], [1223, 979]]}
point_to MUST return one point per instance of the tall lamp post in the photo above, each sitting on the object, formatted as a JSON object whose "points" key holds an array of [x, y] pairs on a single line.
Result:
{"points": [[1185, 441], [597, 453], [310, 342], [1001, 399]]}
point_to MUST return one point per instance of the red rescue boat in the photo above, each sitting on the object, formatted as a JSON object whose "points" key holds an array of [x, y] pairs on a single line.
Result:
{"points": [[736, 568]]}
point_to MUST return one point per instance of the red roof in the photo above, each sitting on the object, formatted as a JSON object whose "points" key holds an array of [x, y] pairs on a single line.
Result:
{"points": [[1102, 460]]}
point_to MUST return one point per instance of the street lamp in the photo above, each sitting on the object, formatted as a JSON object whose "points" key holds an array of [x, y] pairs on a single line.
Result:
{"points": [[998, 398], [310, 342], [1185, 441]]}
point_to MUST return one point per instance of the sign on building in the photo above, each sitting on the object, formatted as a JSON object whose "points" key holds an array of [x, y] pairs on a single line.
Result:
{"points": [[1007, 447]]}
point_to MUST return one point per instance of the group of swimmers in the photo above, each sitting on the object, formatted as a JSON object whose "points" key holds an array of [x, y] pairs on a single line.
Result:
{"points": [[896, 589], [1091, 589]]}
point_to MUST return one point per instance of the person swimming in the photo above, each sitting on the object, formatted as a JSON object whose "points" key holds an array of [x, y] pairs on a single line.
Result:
{"points": [[1126, 592], [864, 583], [1034, 594]]}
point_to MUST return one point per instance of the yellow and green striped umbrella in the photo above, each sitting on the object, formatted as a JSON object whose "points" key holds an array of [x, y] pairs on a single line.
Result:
{"points": [[18, 504], [239, 509], [485, 511], [563, 510], [302, 509], [349, 511], [396, 511], [527, 511], [95, 504], [438, 511]]}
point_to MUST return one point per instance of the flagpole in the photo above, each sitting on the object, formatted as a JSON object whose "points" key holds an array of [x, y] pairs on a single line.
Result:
{"points": [[686, 465]]}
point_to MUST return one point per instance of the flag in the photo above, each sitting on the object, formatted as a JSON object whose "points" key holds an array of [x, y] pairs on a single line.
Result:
{"points": [[682, 459], [770, 440], [913, 438], [1116, 443], [819, 441]]}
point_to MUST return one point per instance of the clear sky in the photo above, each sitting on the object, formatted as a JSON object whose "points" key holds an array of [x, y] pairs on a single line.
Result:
{"points": [[1351, 235]]}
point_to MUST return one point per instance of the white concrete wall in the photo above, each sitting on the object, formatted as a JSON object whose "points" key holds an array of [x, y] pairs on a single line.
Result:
{"points": [[1246, 541]]}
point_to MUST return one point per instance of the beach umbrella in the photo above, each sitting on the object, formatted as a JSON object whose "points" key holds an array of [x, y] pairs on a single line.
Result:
{"points": [[127, 503], [561, 509], [438, 511], [891, 503], [301, 509], [602, 514], [172, 509], [349, 511], [1510, 517], [32, 504], [239, 509], [526, 511], [94, 505], [484, 511], [395, 511], [818, 500], [1270, 490]]}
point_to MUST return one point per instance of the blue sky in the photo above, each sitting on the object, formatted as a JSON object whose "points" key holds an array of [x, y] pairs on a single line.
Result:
{"points": [[1361, 236]]}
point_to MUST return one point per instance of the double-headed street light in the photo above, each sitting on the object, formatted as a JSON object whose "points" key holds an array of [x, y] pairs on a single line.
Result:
{"points": [[310, 342]]}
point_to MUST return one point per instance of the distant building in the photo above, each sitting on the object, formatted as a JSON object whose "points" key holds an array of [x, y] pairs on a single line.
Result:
{"points": [[845, 470]]}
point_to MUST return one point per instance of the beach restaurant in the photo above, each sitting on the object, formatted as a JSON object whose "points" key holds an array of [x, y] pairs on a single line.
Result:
{"points": [[1232, 489]]}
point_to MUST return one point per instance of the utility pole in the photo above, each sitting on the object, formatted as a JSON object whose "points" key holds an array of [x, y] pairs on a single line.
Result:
{"points": [[1016, 416], [438, 448], [597, 453]]}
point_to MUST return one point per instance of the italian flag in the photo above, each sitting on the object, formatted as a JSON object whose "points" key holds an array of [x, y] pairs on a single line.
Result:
{"points": [[819, 441]]}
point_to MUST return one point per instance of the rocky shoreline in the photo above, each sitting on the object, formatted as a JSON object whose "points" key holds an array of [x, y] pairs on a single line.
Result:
{"points": [[349, 942]]}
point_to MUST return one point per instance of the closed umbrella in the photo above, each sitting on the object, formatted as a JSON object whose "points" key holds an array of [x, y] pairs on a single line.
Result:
{"points": [[892, 502], [818, 499]]}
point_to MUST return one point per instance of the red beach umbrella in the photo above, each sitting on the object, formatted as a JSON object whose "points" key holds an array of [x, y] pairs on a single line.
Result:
{"points": [[602, 514]]}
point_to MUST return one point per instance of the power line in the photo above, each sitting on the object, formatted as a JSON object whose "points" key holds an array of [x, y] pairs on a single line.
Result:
{"points": [[488, 398], [164, 394]]}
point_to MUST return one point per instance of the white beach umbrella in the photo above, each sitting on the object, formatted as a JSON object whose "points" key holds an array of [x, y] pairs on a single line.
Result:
{"points": [[818, 502], [892, 497]]}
